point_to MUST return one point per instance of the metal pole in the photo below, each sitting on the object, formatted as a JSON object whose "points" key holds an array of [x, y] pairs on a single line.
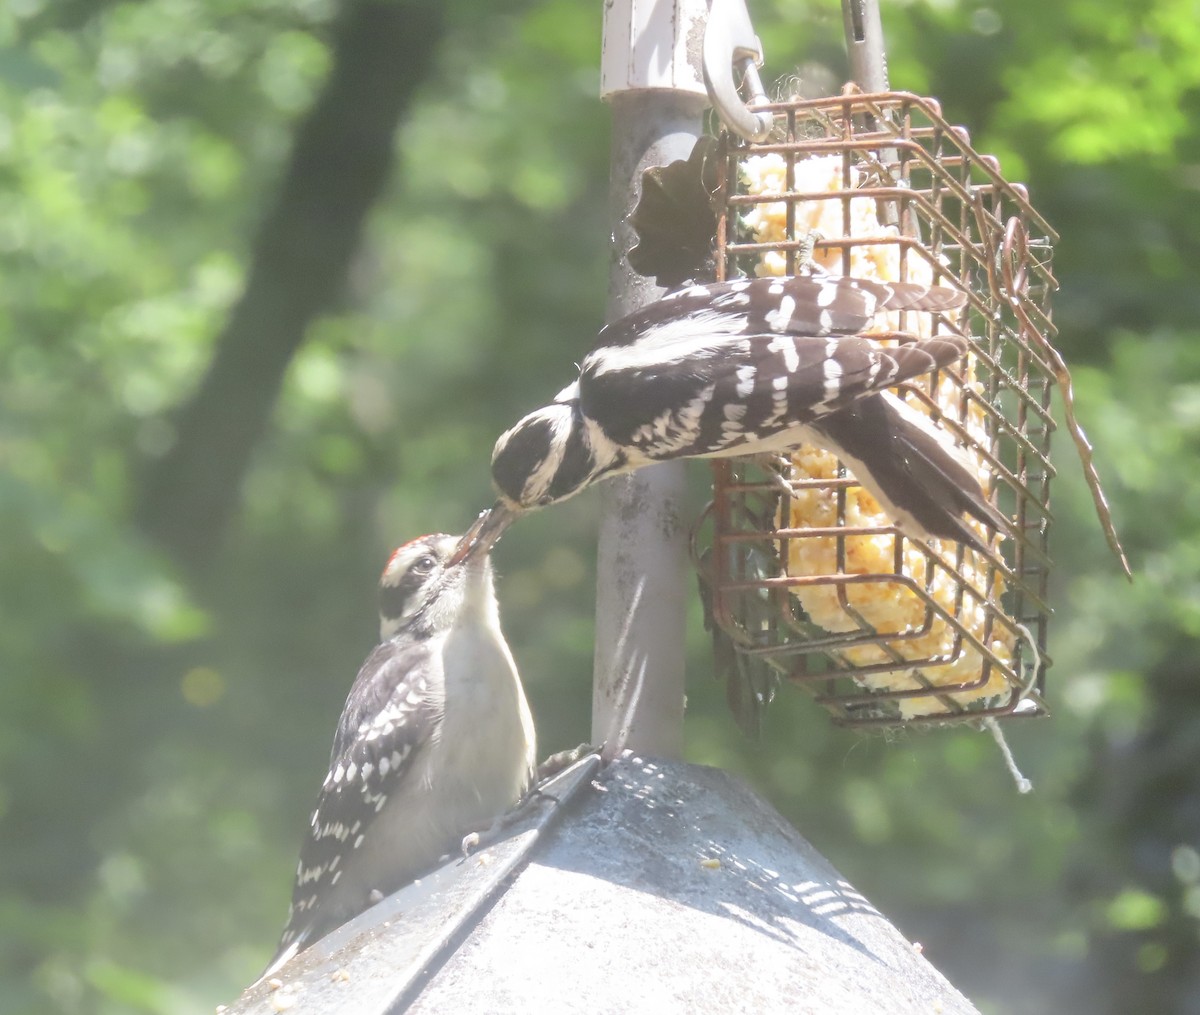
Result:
{"points": [[651, 77], [867, 56], [864, 44]]}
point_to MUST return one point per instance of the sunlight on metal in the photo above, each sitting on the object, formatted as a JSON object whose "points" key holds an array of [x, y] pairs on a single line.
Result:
{"points": [[732, 48], [651, 77]]}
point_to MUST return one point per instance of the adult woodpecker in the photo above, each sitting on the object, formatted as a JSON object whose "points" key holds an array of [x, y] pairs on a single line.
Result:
{"points": [[435, 741], [750, 366]]}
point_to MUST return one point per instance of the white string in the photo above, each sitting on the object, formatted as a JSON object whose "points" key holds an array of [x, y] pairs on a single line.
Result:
{"points": [[1023, 785], [993, 727], [1037, 659]]}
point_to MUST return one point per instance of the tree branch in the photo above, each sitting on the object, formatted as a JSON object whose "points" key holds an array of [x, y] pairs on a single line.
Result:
{"points": [[341, 159]]}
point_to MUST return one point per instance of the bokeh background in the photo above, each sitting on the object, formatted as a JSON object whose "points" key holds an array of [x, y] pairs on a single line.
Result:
{"points": [[273, 276]]}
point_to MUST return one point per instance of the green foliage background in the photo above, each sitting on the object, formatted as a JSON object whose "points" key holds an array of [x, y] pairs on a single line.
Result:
{"points": [[164, 721]]}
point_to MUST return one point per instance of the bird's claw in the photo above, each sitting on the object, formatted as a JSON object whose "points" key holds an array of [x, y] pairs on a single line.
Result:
{"points": [[560, 762], [470, 842]]}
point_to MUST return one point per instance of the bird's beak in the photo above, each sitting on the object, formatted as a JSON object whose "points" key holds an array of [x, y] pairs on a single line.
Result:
{"points": [[479, 539]]}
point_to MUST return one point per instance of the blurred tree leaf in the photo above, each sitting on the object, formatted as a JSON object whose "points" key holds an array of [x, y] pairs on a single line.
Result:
{"points": [[162, 733]]}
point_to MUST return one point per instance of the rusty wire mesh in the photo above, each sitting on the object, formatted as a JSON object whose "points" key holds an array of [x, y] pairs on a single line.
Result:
{"points": [[962, 643]]}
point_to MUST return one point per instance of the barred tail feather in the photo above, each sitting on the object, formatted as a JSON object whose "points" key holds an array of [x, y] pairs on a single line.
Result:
{"points": [[910, 468], [911, 296]]}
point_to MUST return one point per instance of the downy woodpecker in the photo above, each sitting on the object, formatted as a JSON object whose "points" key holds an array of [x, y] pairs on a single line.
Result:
{"points": [[749, 366], [435, 741]]}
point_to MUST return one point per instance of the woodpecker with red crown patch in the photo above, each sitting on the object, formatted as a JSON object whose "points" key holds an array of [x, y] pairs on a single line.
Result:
{"points": [[435, 741]]}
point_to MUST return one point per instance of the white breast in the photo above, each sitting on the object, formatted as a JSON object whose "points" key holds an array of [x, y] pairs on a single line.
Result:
{"points": [[476, 766]]}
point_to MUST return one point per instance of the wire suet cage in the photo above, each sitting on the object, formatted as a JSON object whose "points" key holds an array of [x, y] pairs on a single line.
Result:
{"points": [[805, 578]]}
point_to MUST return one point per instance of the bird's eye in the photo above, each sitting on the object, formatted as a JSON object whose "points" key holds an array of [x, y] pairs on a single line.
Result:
{"points": [[425, 563]]}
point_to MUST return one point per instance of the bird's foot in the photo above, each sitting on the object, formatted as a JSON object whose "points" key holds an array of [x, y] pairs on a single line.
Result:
{"points": [[474, 840], [778, 468], [560, 762], [470, 842]]}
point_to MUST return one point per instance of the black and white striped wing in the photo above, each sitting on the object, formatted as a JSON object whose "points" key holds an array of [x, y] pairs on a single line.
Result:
{"points": [[670, 396], [814, 304], [386, 722]]}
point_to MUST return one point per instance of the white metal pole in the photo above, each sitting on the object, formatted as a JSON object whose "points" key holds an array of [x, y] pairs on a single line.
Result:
{"points": [[651, 76]]}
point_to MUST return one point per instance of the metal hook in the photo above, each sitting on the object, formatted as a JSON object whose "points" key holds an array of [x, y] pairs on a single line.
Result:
{"points": [[729, 44]]}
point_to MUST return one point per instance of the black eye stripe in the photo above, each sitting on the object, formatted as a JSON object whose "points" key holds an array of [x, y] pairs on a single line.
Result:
{"points": [[576, 465], [525, 450], [393, 599]]}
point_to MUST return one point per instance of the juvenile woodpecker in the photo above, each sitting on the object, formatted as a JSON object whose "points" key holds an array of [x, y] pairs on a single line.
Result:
{"points": [[435, 741], [749, 366]]}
